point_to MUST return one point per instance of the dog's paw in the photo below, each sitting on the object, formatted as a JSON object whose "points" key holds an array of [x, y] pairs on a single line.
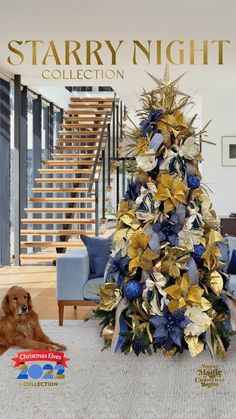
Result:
{"points": [[61, 347], [57, 347], [53, 347]]}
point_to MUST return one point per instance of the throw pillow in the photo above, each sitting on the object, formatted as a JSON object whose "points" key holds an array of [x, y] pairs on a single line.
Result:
{"points": [[99, 250], [232, 264]]}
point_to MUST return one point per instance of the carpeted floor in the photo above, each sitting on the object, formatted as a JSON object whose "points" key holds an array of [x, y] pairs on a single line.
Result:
{"points": [[109, 386]]}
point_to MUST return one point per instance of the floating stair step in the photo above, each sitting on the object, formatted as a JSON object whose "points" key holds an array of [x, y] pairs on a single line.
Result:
{"points": [[40, 256], [78, 133], [62, 200], [57, 221], [52, 244], [77, 147], [56, 232], [91, 99], [86, 112], [60, 190], [62, 171], [69, 163], [64, 180], [73, 156], [84, 118], [93, 105], [61, 210], [79, 140], [89, 125]]}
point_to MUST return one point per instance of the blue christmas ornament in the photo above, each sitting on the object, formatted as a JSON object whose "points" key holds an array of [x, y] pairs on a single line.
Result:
{"points": [[133, 289], [199, 249], [193, 182]]}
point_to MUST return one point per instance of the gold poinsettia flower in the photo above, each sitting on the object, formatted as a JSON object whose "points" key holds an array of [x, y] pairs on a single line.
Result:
{"points": [[140, 321], [212, 253], [139, 253], [175, 259], [172, 124], [142, 145], [200, 323], [183, 293], [127, 216], [110, 296], [208, 214], [172, 191]]}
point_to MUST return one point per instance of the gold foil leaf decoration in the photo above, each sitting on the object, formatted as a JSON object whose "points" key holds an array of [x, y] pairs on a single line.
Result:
{"points": [[195, 345], [216, 282], [172, 191], [108, 332], [110, 296]]}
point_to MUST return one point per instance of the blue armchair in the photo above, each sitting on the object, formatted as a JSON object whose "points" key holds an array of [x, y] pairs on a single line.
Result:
{"points": [[74, 288]]}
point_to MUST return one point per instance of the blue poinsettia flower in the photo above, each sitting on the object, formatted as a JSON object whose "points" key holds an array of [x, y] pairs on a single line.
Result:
{"points": [[149, 125], [133, 190], [169, 328], [137, 345], [168, 229], [119, 267]]}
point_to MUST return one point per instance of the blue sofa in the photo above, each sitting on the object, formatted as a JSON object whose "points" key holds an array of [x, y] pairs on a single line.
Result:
{"points": [[226, 248], [74, 288]]}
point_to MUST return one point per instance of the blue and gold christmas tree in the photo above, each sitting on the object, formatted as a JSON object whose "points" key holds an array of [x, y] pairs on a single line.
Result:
{"points": [[165, 285]]}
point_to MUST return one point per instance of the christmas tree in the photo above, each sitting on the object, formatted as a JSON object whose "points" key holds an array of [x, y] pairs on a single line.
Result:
{"points": [[165, 286]]}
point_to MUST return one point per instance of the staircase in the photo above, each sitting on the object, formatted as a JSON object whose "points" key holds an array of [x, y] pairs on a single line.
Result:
{"points": [[64, 202]]}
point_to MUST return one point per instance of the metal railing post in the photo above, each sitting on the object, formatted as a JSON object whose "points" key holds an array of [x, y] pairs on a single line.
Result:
{"points": [[103, 183], [113, 129], [97, 154], [96, 210], [123, 177], [117, 185], [117, 131], [109, 154], [121, 119]]}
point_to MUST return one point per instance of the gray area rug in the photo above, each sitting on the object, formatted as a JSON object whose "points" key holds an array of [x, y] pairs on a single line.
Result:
{"points": [[109, 386]]}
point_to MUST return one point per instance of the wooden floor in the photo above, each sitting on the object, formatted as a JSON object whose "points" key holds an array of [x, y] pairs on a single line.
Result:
{"points": [[40, 280]]}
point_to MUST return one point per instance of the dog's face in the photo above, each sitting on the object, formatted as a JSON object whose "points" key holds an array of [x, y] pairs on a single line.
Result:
{"points": [[17, 301]]}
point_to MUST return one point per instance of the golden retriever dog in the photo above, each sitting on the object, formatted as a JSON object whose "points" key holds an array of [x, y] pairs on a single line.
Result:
{"points": [[19, 324]]}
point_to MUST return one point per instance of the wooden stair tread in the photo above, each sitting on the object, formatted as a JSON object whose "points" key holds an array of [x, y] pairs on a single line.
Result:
{"points": [[62, 190], [78, 133], [76, 147], [62, 200], [70, 163], [85, 119], [79, 140], [92, 99], [73, 156], [58, 171], [64, 180], [86, 112], [93, 105], [57, 221], [89, 125], [52, 244], [41, 256], [61, 210], [56, 232]]}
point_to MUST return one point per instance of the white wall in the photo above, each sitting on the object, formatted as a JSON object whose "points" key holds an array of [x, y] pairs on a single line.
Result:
{"points": [[221, 108]]}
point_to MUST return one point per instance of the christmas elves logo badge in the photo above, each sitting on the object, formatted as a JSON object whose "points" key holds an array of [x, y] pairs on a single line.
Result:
{"points": [[40, 368]]}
